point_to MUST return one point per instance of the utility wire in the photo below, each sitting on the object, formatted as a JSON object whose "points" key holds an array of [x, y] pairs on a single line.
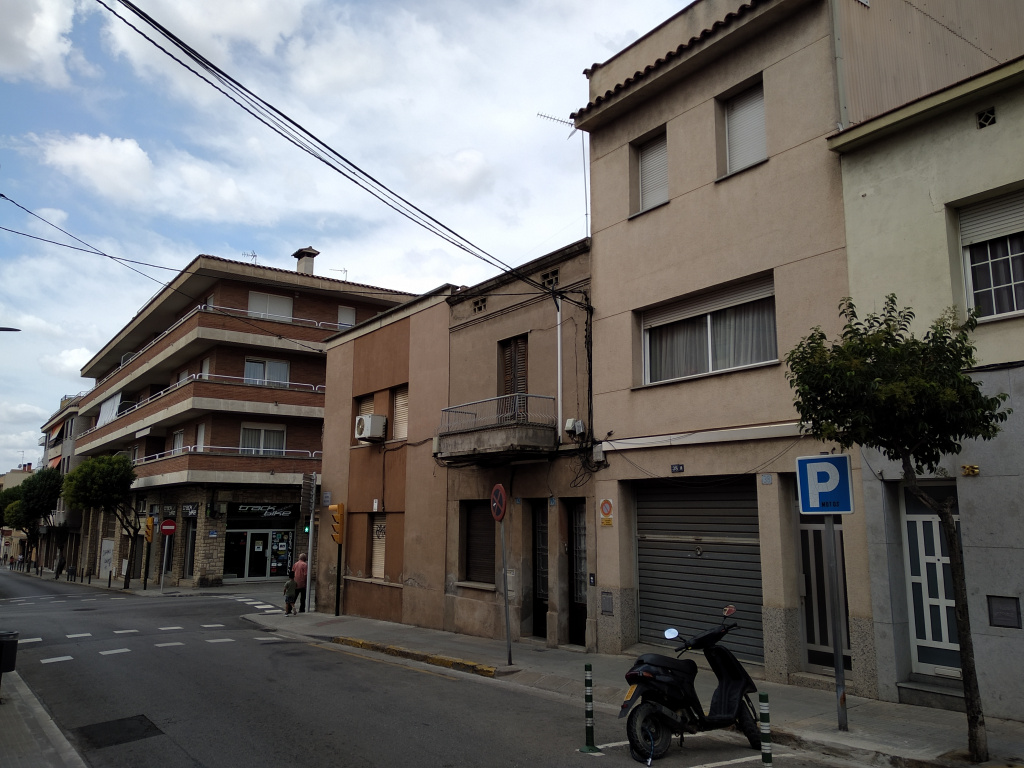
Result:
{"points": [[299, 136]]}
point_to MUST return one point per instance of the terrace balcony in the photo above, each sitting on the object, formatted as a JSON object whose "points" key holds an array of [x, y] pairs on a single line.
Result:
{"points": [[498, 429], [225, 465]]}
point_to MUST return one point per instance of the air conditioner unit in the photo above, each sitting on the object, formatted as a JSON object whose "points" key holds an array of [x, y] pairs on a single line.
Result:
{"points": [[371, 427]]}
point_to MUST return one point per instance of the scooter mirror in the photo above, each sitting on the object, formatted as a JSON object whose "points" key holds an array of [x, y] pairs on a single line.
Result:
{"points": [[671, 634], [729, 610]]}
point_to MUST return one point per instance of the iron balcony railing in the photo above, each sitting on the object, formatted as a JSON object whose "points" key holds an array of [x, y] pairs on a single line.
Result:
{"points": [[128, 407], [222, 450], [504, 411]]}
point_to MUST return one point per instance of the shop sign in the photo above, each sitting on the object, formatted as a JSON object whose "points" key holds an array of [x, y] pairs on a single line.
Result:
{"points": [[263, 511], [170, 510], [191, 509]]}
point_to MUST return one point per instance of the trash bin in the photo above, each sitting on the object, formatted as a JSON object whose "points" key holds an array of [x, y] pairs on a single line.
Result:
{"points": [[8, 651]]}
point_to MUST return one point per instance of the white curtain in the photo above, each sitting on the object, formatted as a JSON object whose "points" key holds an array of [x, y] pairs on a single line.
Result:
{"points": [[678, 349], [743, 335], [108, 410]]}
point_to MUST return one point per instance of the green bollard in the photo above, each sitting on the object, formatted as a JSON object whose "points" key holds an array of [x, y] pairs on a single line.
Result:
{"points": [[589, 697], [766, 731]]}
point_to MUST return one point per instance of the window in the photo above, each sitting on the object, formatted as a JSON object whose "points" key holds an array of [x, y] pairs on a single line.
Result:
{"points": [[205, 369], [744, 129], [992, 238], [711, 332], [108, 410], [653, 170], [379, 537], [177, 441], [400, 430], [270, 306], [479, 305], [346, 316], [513, 366], [364, 405], [262, 440], [266, 372], [200, 437], [478, 542], [549, 279], [182, 376]]}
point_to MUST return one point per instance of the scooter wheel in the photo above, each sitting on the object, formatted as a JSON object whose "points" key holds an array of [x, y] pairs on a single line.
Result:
{"points": [[748, 724], [649, 736]]}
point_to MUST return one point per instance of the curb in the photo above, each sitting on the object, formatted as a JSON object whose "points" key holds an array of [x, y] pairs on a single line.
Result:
{"points": [[437, 660]]}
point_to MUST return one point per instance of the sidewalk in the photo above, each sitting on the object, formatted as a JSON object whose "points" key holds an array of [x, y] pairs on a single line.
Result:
{"points": [[880, 732]]}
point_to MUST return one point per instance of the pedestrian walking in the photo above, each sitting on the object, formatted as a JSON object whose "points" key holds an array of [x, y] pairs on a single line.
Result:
{"points": [[59, 566], [301, 569], [291, 589]]}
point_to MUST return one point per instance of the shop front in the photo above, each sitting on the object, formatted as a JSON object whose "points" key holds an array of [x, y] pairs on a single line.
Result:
{"points": [[260, 539]]}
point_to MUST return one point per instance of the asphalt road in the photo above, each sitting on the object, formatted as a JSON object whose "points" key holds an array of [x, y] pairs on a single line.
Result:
{"points": [[140, 682]]}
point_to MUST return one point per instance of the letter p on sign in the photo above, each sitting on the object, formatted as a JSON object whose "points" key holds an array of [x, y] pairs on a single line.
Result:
{"points": [[825, 485]]}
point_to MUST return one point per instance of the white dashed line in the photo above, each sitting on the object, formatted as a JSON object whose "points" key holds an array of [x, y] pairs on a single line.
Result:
{"points": [[59, 601], [119, 598], [263, 605], [55, 658], [87, 599], [167, 645], [164, 629], [124, 631], [116, 650], [31, 640], [271, 613], [211, 626], [267, 639], [221, 640], [81, 634]]}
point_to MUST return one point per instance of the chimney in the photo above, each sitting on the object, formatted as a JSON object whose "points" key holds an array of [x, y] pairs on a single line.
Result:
{"points": [[305, 258]]}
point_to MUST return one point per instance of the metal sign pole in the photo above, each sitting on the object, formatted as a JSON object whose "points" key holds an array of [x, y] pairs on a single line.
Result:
{"points": [[163, 568], [504, 578], [834, 608]]}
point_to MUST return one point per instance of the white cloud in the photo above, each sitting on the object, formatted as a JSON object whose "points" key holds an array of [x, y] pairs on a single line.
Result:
{"points": [[34, 42], [13, 413], [118, 169], [67, 363]]}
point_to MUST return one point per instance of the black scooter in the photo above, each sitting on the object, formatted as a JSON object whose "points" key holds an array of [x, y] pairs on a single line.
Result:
{"points": [[669, 702]]}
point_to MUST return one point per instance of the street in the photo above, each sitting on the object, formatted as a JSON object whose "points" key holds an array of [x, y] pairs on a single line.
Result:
{"points": [[138, 681]]}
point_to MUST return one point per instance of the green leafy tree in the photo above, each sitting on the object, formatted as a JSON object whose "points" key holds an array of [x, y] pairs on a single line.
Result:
{"points": [[15, 517], [881, 387], [40, 492], [105, 482]]}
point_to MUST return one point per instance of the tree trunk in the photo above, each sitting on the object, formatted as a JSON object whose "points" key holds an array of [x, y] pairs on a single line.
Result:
{"points": [[977, 737]]}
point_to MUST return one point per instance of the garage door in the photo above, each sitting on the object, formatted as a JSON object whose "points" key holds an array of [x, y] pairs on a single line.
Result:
{"points": [[698, 551]]}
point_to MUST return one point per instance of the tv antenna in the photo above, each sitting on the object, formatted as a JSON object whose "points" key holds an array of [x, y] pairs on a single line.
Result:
{"points": [[344, 273], [583, 149], [251, 255]]}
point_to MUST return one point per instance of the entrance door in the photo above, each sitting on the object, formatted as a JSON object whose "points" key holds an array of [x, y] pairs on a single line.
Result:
{"points": [[540, 569], [234, 553], [259, 554], [815, 596], [578, 573], [935, 646], [190, 547]]}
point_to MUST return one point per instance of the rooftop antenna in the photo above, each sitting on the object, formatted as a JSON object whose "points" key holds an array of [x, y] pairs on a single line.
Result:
{"points": [[251, 255], [583, 149], [344, 273]]}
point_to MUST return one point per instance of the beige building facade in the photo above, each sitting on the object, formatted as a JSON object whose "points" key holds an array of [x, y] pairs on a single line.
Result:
{"points": [[719, 241], [934, 208]]}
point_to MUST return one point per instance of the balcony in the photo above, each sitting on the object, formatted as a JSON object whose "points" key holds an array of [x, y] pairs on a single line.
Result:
{"points": [[498, 429], [225, 465]]}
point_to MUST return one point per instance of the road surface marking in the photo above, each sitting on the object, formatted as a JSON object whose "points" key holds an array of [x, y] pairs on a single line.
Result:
{"points": [[55, 658], [270, 639], [734, 762], [263, 605], [210, 626], [335, 649], [59, 601], [81, 634], [124, 631], [31, 640], [271, 613], [116, 650], [167, 645], [164, 629], [87, 599], [221, 640], [119, 598]]}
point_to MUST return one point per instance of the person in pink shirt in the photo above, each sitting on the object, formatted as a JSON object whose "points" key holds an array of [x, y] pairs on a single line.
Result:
{"points": [[301, 569]]}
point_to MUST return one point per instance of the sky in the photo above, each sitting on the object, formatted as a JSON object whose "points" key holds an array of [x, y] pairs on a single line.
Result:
{"points": [[109, 139]]}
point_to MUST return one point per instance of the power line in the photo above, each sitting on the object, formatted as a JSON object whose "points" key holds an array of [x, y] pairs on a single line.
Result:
{"points": [[302, 138]]}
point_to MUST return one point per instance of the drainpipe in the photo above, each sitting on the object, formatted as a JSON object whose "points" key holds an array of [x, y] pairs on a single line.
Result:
{"points": [[837, 52], [558, 386]]}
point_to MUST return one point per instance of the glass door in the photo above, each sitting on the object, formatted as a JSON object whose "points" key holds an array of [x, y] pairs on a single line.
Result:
{"points": [[259, 554]]}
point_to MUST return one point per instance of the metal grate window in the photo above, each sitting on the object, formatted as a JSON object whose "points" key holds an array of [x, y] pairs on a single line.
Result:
{"points": [[986, 117], [401, 419], [479, 543], [379, 533]]}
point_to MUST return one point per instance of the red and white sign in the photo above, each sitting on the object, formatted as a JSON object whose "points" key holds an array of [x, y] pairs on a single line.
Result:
{"points": [[167, 527], [498, 500]]}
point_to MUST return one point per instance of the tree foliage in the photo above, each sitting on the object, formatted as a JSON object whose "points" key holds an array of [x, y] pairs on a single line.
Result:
{"points": [[105, 482], [40, 492], [881, 387]]}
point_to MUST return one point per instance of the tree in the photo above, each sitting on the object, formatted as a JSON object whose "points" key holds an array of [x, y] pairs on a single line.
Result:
{"points": [[881, 387], [40, 492], [105, 482]]}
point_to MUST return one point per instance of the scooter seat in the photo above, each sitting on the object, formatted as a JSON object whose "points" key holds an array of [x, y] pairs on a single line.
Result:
{"points": [[686, 666]]}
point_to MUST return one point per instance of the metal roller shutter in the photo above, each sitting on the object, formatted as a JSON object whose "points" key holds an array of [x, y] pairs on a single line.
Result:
{"points": [[698, 550]]}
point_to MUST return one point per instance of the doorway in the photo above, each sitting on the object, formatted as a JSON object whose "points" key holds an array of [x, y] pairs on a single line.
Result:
{"points": [[540, 568], [577, 562]]}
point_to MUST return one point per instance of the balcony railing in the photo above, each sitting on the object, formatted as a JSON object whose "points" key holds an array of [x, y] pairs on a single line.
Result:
{"points": [[222, 450], [128, 407], [230, 311], [504, 411]]}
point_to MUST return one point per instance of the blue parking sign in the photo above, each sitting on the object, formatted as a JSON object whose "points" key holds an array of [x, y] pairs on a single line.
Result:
{"points": [[825, 485]]}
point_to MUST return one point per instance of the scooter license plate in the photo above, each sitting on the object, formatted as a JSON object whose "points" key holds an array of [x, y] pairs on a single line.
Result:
{"points": [[629, 693]]}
